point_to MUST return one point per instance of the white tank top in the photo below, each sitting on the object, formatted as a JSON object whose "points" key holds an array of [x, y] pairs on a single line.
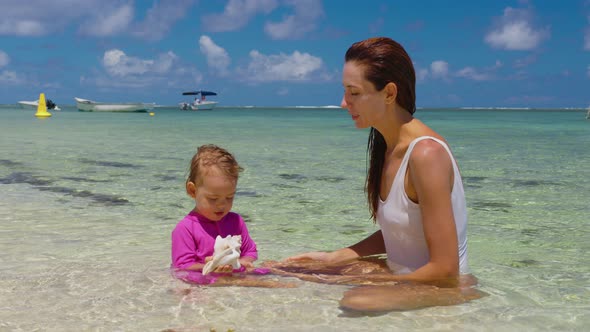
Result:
{"points": [[400, 220]]}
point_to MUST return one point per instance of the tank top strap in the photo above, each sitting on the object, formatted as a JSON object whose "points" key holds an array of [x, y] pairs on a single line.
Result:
{"points": [[421, 138]]}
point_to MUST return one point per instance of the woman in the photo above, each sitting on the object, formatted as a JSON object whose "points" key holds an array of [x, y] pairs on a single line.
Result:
{"points": [[413, 186]]}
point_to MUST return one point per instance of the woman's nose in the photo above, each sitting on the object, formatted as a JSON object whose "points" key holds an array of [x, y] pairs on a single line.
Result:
{"points": [[343, 103]]}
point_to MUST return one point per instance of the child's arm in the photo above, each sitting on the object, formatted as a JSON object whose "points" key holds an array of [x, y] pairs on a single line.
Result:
{"points": [[184, 249], [248, 248], [195, 267]]}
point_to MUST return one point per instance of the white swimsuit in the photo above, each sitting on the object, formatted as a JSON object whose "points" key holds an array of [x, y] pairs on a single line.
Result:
{"points": [[400, 220]]}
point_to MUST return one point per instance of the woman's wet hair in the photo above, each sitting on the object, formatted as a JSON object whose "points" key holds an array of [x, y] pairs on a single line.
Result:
{"points": [[210, 157], [383, 61]]}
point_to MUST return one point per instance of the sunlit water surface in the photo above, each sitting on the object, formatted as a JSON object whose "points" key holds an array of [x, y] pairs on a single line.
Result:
{"points": [[88, 201]]}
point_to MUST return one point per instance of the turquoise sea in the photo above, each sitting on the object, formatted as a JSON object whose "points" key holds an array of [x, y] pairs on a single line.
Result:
{"points": [[88, 201]]}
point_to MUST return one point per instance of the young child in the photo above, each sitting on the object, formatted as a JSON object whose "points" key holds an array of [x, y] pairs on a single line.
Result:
{"points": [[212, 184]]}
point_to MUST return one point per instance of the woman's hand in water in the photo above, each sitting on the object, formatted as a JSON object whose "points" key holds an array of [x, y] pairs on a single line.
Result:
{"points": [[314, 255]]}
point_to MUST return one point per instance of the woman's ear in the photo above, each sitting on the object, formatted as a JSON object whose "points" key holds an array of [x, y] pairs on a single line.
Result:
{"points": [[191, 189], [390, 93]]}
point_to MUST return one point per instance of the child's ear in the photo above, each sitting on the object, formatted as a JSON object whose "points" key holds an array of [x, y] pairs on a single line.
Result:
{"points": [[191, 189]]}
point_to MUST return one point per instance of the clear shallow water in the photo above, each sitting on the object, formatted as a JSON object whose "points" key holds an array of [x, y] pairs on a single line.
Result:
{"points": [[88, 200]]}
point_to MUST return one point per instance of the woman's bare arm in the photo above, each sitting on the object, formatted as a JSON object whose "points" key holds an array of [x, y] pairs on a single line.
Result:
{"points": [[371, 245]]}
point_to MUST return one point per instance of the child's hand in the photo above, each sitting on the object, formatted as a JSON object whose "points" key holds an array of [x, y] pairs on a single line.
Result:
{"points": [[246, 263], [224, 269]]}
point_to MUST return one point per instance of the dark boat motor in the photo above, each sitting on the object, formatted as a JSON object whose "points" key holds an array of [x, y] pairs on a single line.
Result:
{"points": [[50, 104]]}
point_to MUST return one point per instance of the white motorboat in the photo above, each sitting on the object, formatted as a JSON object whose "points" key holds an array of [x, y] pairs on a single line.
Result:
{"points": [[199, 104], [86, 105], [32, 105]]}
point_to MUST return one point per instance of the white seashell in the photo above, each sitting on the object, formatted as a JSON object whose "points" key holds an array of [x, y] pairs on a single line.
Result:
{"points": [[226, 252]]}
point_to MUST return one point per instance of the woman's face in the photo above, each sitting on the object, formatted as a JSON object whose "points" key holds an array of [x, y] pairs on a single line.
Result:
{"points": [[364, 103]]}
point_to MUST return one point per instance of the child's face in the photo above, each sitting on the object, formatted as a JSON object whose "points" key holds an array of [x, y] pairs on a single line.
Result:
{"points": [[214, 196]]}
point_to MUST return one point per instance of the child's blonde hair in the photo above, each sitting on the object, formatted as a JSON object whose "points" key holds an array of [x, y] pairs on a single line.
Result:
{"points": [[208, 156]]}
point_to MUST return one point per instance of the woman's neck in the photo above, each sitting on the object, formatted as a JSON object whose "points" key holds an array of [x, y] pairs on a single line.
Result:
{"points": [[396, 127]]}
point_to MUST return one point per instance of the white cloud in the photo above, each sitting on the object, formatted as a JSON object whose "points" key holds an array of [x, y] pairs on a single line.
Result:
{"points": [[307, 13], [282, 67], [93, 17], [439, 69], [484, 74], [236, 14], [472, 74], [217, 57], [160, 18], [119, 64], [10, 26], [10, 77], [123, 71], [165, 62], [108, 22], [24, 18], [421, 74], [587, 37], [514, 31], [4, 58], [178, 79]]}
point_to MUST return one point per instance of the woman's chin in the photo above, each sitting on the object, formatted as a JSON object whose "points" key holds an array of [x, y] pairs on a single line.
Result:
{"points": [[360, 125]]}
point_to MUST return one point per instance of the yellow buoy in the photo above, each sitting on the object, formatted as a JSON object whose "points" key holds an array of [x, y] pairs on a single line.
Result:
{"points": [[42, 108], [152, 113]]}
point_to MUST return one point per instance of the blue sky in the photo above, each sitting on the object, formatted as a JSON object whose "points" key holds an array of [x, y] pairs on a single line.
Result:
{"points": [[489, 53]]}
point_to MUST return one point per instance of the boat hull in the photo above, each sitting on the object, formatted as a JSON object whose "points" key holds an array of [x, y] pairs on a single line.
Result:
{"points": [[113, 108], [202, 106], [33, 105], [28, 105], [85, 105]]}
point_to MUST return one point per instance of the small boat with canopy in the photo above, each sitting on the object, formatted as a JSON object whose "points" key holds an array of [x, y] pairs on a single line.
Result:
{"points": [[200, 103]]}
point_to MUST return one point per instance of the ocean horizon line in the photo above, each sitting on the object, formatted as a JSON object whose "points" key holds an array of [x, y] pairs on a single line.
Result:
{"points": [[335, 107]]}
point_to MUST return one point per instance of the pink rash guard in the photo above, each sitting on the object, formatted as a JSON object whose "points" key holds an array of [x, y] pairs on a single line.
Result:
{"points": [[193, 238]]}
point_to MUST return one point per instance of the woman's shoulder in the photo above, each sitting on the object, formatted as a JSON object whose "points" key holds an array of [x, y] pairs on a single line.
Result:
{"points": [[430, 149]]}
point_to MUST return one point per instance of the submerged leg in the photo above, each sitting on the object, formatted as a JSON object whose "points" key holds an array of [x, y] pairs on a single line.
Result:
{"points": [[405, 297], [381, 290]]}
